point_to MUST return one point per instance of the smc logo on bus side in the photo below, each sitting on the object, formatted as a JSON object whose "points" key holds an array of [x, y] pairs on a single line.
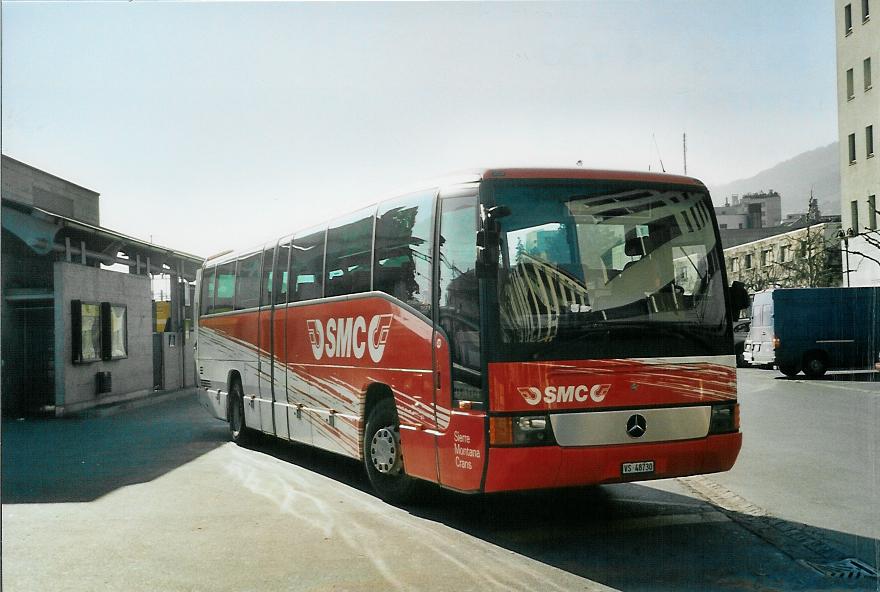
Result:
{"points": [[564, 394], [349, 336]]}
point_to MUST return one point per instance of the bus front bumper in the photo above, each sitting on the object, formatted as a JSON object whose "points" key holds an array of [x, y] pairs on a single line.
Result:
{"points": [[543, 467]]}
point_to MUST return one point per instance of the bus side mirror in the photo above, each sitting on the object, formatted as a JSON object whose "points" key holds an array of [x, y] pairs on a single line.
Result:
{"points": [[739, 297], [488, 240]]}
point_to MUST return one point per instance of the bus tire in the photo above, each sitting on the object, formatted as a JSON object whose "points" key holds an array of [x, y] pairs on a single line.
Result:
{"points": [[815, 365], [790, 370], [383, 457], [239, 432]]}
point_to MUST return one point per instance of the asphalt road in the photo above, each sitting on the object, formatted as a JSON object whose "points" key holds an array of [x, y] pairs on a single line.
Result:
{"points": [[158, 499]]}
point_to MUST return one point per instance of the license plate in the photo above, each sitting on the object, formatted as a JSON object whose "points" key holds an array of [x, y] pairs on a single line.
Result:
{"points": [[635, 468]]}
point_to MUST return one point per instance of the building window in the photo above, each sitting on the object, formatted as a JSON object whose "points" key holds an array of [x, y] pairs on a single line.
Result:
{"points": [[767, 257], [847, 19], [852, 148], [866, 11], [850, 85], [872, 212], [867, 70], [784, 253], [85, 321], [869, 141], [854, 214], [114, 331], [748, 261]]}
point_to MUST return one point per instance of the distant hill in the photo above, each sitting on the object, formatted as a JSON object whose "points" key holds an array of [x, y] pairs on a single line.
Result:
{"points": [[819, 169]]}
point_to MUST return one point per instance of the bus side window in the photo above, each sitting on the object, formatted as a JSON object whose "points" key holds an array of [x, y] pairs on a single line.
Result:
{"points": [[224, 288], [247, 282], [266, 283], [349, 252], [280, 274], [206, 300], [458, 303], [404, 238], [307, 266]]}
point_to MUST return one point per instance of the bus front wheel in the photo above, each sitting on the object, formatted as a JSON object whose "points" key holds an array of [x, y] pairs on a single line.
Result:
{"points": [[383, 456], [237, 427], [790, 370]]}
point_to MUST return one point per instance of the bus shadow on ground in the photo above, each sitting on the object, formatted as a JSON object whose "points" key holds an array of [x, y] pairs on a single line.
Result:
{"points": [[839, 376], [82, 459], [629, 536]]}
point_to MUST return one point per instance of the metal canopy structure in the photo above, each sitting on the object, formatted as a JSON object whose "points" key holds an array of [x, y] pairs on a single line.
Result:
{"points": [[45, 232]]}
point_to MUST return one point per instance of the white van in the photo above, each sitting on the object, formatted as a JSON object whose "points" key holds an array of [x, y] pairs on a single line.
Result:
{"points": [[758, 350]]}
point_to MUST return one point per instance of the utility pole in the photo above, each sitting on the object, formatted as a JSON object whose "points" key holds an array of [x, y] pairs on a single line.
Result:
{"points": [[684, 150]]}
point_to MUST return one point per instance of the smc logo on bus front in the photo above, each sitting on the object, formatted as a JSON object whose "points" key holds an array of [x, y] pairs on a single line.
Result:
{"points": [[349, 336], [564, 394]]}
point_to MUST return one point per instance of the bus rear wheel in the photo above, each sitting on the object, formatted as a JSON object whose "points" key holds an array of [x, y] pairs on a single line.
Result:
{"points": [[237, 427], [790, 370], [383, 456]]}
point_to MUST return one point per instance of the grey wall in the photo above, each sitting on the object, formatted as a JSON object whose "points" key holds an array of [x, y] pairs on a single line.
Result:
{"points": [[26, 184], [178, 372], [75, 384]]}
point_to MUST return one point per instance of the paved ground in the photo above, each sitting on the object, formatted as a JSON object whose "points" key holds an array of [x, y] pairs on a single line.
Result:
{"points": [[157, 499], [811, 454]]}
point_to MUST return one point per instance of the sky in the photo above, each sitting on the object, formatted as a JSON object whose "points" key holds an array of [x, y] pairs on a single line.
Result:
{"points": [[207, 126]]}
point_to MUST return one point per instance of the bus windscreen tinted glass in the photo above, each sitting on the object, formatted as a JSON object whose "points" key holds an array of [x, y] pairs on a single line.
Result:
{"points": [[612, 268]]}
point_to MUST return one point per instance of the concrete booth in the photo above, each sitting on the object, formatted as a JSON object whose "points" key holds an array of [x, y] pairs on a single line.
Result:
{"points": [[79, 324]]}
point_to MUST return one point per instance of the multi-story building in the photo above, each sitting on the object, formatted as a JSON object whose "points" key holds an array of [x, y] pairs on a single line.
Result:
{"points": [[752, 210], [858, 120], [803, 255]]}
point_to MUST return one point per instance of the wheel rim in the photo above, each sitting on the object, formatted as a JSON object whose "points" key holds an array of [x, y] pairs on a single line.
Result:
{"points": [[815, 365], [385, 450]]}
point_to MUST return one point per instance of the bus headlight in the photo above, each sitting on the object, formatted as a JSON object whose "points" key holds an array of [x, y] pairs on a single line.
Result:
{"points": [[526, 430], [725, 419]]}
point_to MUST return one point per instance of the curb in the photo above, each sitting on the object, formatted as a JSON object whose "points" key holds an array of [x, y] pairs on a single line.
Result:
{"points": [[115, 408]]}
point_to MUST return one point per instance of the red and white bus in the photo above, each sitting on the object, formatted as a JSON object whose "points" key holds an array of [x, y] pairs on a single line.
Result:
{"points": [[515, 329]]}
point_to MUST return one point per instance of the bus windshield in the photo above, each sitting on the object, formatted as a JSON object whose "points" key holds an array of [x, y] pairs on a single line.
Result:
{"points": [[599, 270]]}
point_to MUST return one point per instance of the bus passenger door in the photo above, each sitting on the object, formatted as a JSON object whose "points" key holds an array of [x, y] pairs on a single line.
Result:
{"points": [[280, 405], [265, 365], [457, 364]]}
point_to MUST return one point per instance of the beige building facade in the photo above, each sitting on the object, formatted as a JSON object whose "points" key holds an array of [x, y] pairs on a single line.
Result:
{"points": [[803, 257], [858, 115]]}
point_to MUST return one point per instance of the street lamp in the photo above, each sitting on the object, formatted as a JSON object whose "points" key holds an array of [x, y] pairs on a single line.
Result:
{"points": [[845, 236]]}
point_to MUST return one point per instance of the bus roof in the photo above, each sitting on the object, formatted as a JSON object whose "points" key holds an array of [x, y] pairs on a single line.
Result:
{"points": [[485, 174], [592, 174]]}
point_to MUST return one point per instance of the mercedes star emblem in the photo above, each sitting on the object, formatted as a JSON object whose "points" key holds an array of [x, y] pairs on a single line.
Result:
{"points": [[636, 426]]}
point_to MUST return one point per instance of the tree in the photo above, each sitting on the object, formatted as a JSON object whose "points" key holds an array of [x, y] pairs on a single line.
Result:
{"points": [[816, 262], [870, 235]]}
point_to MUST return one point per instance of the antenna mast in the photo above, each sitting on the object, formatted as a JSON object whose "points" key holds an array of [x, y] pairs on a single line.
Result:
{"points": [[660, 158], [684, 149]]}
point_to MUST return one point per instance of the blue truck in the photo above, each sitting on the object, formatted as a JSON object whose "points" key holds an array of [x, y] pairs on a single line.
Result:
{"points": [[814, 329]]}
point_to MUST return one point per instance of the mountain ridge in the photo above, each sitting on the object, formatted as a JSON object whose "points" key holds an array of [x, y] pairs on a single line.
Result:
{"points": [[817, 170]]}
